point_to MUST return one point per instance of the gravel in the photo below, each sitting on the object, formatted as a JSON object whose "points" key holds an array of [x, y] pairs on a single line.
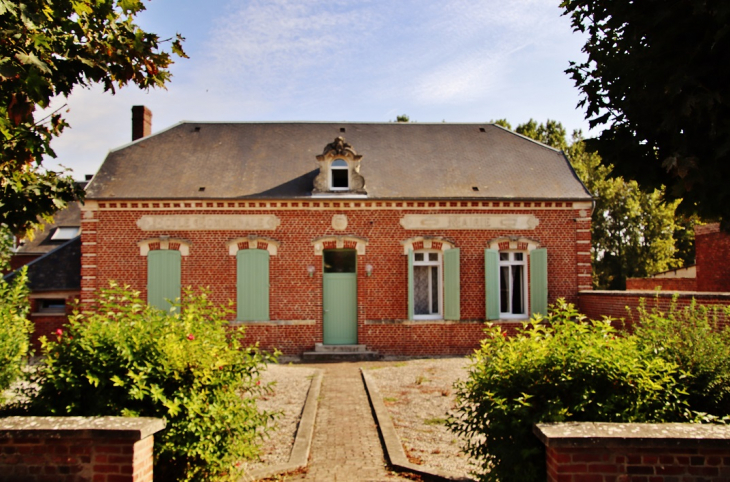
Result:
{"points": [[418, 394], [289, 387]]}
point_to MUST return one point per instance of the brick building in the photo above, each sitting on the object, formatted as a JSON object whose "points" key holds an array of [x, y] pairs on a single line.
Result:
{"points": [[404, 238]]}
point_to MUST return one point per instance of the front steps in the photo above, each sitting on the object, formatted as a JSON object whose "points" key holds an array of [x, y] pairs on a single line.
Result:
{"points": [[335, 353]]}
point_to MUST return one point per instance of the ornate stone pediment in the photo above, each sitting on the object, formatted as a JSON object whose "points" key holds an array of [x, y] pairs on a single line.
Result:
{"points": [[334, 151]]}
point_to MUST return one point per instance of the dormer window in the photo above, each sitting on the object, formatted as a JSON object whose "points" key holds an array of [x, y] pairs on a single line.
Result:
{"points": [[339, 171], [339, 175]]}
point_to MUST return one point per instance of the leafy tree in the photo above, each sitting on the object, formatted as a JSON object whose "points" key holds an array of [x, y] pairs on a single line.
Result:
{"points": [[403, 118], [657, 75], [48, 48], [634, 232]]}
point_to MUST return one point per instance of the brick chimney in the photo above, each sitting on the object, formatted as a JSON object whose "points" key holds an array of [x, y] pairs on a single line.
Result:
{"points": [[141, 122]]}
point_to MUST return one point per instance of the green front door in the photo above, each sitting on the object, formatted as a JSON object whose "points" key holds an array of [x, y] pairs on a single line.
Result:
{"points": [[340, 296]]}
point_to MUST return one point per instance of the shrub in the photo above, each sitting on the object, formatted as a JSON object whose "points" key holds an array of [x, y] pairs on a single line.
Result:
{"points": [[185, 366], [15, 330], [563, 368], [692, 338]]}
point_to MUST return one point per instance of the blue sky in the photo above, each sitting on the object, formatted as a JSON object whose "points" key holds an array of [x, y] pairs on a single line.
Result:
{"points": [[335, 60]]}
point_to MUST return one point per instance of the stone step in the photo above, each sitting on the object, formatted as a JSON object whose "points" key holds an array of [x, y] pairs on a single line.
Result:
{"points": [[322, 348], [337, 356]]}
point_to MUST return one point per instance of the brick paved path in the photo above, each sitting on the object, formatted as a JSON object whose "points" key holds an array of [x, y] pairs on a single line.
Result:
{"points": [[346, 445]]}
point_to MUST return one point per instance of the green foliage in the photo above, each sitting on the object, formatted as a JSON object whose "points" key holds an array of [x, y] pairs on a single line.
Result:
{"points": [[552, 133], [403, 118], [15, 330], [562, 368], [692, 338], [664, 100], [49, 48], [185, 366], [635, 233]]}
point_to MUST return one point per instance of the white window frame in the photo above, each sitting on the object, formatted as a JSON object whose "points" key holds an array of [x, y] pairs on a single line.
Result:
{"points": [[525, 292], [333, 167], [440, 266]]}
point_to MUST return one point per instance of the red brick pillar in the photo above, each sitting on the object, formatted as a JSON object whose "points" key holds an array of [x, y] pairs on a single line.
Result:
{"points": [[635, 452], [76, 449]]}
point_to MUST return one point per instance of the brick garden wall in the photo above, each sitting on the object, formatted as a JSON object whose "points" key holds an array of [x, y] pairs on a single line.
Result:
{"points": [[624, 304], [605, 452], [77, 449], [110, 252], [712, 248], [664, 284]]}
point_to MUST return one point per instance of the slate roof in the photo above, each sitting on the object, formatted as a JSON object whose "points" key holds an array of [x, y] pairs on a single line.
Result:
{"points": [[277, 160], [42, 242], [57, 270]]}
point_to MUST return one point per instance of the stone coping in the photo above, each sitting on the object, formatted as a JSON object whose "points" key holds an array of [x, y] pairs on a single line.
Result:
{"points": [[126, 427], [299, 456], [586, 434], [648, 294]]}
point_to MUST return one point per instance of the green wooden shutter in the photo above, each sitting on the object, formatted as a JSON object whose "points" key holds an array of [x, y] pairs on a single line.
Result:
{"points": [[491, 283], [163, 278], [452, 285], [538, 281], [410, 284], [253, 284]]}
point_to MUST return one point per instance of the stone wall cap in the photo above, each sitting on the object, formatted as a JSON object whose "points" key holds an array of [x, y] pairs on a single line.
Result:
{"points": [[649, 294], [569, 434], [132, 427]]}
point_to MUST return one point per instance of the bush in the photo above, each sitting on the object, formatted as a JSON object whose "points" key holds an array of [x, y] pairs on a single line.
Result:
{"points": [[185, 366], [15, 330], [692, 338], [563, 368]]}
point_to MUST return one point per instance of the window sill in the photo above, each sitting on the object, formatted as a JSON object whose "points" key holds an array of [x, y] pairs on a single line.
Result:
{"points": [[274, 322], [424, 322], [49, 313]]}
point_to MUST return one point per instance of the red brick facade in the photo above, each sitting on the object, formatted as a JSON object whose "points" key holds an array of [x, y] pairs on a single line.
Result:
{"points": [[712, 252], [110, 252], [46, 324]]}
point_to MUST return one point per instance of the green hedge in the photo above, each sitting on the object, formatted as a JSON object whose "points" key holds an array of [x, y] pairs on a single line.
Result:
{"points": [[15, 330], [562, 368], [186, 366]]}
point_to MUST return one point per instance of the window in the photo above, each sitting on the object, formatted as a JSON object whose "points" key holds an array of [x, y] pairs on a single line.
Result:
{"points": [[252, 288], [427, 284], [507, 285], [512, 284], [64, 233], [339, 175], [433, 285], [51, 306], [163, 278]]}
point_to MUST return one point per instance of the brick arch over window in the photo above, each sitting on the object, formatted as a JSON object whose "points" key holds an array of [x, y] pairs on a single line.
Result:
{"points": [[164, 242], [339, 242], [427, 242], [253, 242], [513, 243]]}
